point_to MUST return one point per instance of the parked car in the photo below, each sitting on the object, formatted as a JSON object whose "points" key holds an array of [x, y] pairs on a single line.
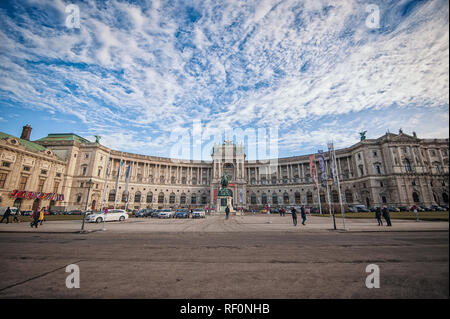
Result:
{"points": [[74, 212], [403, 208], [181, 213], [166, 213], [437, 208], [198, 213], [141, 213], [27, 213], [393, 209], [113, 215], [154, 213], [358, 209]]}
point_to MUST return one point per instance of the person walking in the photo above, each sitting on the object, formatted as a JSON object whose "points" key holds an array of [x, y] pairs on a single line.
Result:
{"points": [[6, 215], [35, 217], [303, 214], [227, 212], [41, 216], [294, 216], [387, 216], [16, 216], [378, 216], [415, 210]]}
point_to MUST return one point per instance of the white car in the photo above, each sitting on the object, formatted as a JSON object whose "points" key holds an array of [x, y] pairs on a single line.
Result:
{"points": [[166, 213], [112, 215], [198, 213]]}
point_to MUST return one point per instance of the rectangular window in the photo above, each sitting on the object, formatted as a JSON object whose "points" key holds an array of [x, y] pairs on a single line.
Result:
{"points": [[58, 174], [23, 182], [44, 172], [26, 168], [55, 187], [3, 179], [6, 164], [41, 185]]}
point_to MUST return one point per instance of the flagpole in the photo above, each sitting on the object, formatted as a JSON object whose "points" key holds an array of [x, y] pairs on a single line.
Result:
{"points": [[106, 178], [117, 182], [339, 187], [329, 199], [318, 193]]}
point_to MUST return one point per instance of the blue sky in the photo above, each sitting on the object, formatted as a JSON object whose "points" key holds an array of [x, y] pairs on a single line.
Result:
{"points": [[140, 73]]}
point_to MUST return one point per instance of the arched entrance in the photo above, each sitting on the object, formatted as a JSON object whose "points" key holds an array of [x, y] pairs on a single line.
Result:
{"points": [[18, 203], [415, 197], [445, 198], [94, 203], [36, 204], [367, 202]]}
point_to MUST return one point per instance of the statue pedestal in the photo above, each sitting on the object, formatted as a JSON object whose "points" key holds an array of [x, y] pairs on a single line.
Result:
{"points": [[223, 202]]}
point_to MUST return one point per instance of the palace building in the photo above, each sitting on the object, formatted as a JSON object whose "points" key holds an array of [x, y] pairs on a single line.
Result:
{"points": [[67, 172]]}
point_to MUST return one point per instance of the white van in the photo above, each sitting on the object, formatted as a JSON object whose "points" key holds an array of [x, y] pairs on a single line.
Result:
{"points": [[13, 210]]}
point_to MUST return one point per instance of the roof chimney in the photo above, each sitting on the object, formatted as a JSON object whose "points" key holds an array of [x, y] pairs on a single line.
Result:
{"points": [[26, 132]]}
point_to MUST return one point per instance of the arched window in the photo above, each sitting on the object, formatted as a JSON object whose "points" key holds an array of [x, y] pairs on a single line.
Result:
{"points": [[285, 198], [274, 179], [183, 198], [253, 181], [172, 180], [172, 198], [161, 198], [264, 199], [361, 170], [263, 180], [78, 198], [149, 197], [253, 199], [137, 197], [161, 179], [335, 196], [383, 199], [348, 196], [378, 169], [416, 198], [408, 165], [112, 195], [309, 198], [183, 180], [124, 196], [193, 199], [204, 199], [297, 198], [194, 180], [274, 198], [445, 197]]}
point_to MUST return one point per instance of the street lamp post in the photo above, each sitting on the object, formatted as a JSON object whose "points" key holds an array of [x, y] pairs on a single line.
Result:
{"points": [[89, 185]]}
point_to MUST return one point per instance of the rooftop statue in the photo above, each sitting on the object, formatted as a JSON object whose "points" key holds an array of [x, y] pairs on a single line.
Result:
{"points": [[363, 135], [97, 138]]}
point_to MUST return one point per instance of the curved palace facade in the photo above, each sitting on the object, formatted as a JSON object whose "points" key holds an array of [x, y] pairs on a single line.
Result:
{"points": [[395, 169]]}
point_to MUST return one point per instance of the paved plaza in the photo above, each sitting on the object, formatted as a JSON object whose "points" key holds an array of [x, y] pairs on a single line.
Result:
{"points": [[244, 257]]}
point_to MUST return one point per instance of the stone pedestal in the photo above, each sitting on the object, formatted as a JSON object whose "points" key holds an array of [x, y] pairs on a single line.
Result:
{"points": [[223, 202]]}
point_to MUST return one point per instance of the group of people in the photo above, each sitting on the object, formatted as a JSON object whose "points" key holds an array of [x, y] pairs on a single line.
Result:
{"points": [[38, 216], [8, 213], [294, 215], [386, 215]]}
